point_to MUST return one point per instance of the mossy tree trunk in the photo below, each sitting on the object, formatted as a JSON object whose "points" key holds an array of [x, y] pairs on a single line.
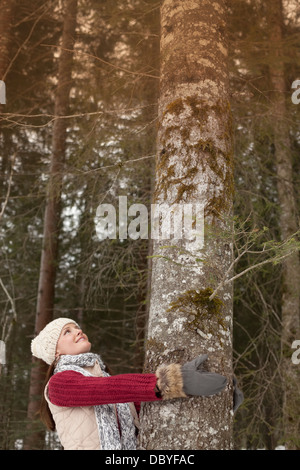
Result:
{"points": [[290, 304], [194, 166]]}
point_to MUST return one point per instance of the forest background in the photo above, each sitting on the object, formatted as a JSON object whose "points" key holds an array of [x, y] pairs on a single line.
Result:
{"points": [[105, 132]]}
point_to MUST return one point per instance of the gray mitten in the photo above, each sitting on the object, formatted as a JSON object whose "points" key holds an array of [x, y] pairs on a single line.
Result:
{"points": [[174, 380], [199, 382]]}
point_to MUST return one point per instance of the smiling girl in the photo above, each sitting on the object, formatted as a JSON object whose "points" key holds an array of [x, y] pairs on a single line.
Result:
{"points": [[92, 410], [72, 341]]}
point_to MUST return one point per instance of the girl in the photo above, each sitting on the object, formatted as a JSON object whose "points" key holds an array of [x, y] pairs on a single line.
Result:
{"points": [[92, 410]]}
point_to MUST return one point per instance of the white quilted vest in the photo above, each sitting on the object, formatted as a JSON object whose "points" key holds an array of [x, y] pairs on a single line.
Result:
{"points": [[77, 427]]}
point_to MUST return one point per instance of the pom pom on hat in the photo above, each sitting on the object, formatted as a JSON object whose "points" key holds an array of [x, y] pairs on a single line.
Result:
{"points": [[43, 346]]}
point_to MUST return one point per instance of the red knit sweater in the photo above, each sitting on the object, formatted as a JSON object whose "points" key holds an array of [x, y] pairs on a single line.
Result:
{"points": [[71, 388]]}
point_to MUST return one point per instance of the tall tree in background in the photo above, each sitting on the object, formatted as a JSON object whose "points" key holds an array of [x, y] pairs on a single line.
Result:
{"points": [[264, 127], [28, 82], [194, 165], [289, 225], [49, 258], [6, 14]]}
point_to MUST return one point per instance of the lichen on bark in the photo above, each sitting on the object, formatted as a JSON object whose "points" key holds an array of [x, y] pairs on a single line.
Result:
{"points": [[186, 126]]}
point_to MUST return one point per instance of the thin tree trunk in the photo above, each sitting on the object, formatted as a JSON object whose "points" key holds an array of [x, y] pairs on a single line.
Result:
{"points": [[6, 14], [194, 165], [49, 258], [290, 306]]}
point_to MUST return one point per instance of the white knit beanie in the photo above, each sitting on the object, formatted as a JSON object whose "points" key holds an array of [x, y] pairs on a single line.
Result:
{"points": [[43, 346]]}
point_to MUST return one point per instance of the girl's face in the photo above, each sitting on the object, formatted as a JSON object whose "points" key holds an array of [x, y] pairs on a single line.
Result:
{"points": [[72, 341]]}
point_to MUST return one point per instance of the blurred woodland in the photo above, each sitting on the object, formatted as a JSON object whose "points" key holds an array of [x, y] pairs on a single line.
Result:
{"points": [[79, 128]]}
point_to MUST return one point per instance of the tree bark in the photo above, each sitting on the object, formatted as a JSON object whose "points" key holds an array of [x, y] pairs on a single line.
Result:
{"points": [[49, 258], [6, 14], [194, 166], [290, 306]]}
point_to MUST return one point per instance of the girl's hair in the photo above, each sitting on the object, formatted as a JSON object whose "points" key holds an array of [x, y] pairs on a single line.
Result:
{"points": [[45, 413]]}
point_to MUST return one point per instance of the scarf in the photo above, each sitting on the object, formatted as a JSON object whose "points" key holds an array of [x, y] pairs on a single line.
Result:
{"points": [[106, 419]]}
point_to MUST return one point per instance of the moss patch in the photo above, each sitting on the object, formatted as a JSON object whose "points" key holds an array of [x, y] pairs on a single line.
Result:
{"points": [[202, 313]]}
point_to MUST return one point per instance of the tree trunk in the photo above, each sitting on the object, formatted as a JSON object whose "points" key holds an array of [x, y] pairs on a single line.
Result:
{"points": [[6, 14], [49, 258], [290, 307], [194, 166]]}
